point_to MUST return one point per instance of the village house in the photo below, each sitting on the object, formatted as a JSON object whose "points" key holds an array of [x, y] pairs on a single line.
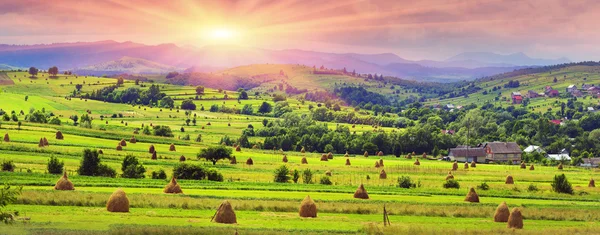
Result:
{"points": [[593, 90], [516, 97], [547, 89], [502, 152], [553, 93], [586, 86], [590, 162], [571, 88], [533, 148], [532, 94], [577, 93], [464, 154]]}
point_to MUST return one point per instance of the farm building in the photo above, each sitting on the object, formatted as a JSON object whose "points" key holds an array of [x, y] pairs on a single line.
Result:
{"points": [[591, 162], [463, 154], [553, 93], [516, 97], [533, 94], [503, 152], [559, 156], [571, 88], [577, 93], [533, 148]]}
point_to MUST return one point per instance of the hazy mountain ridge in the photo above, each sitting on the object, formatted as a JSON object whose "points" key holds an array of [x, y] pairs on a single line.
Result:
{"points": [[127, 65]]}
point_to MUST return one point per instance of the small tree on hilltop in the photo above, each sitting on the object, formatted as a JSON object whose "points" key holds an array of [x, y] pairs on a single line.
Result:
{"points": [[33, 71], [215, 153], [53, 71]]}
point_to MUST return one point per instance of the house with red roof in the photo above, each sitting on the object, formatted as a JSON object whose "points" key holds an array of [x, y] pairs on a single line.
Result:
{"points": [[517, 98]]}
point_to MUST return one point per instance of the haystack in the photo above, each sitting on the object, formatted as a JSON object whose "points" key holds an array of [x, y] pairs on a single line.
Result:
{"points": [[233, 160], [154, 156], [592, 183], [346, 155], [6, 138], [424, 155], [560, 166], [466, 165], [454, 166], [173, 187], [324, 157], [523, 165], [330, 155], [64, 183], [361, 192], [328, 173], [509, 180], [238, 149], [249, 162], [284, 159], [225, 214], [449, 176], [59, 136], [123, 142], [151, 149], [473, 164], [381, 162], [347, 161], [41, 144], [366, 154], [45, 141], [417, 163], [132, 140], [472, 196], [380, 153], [531, 167], [382, 175], [304, 161], [208, 124], [119, 148], [308, 208], [255, 146], [409, 156], [502, 213], [515, 220], [172, 148], [182, 158], [118, 202], [100, 151]]}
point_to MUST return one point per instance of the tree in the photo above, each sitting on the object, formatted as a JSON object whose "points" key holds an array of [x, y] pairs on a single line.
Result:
{"points": [[55, 166], [33, 71], [215, 153], [166, 102], [78, 87], [120, 81], [561, 184], [90, 165], [278, 98], [281, 108], [307, 176], [282, 174], [199, 90], [247, 109], [265, 108], [8, 196], [132, 168], [53, 71], [188, 105], [161, 130]]}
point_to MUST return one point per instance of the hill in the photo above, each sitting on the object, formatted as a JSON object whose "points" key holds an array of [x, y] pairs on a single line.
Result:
{"points": [[511, 59], [126, 65]]}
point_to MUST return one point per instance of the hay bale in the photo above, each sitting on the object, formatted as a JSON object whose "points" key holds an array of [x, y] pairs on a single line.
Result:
{"points": [[118, 202], [409, 156], [132, 140], [284, 159], [382, 174], [366, 154], [509, 180], [347, 161], [472, 196], [531, 167], [41, 144], [377, 164], [6, 138], [64, 183], [380, 153], [515, 220], [154, 156], [449, 176], [361, 193], [592, 183], [182, 158], [455, 166], [233, 160], [100, 151], [173, 187], [473, 164], [502, 213], [151, 149], [330, 155], [225, 214], [249, 162], [308, 208], [172, 148], [59, 136], [346, 155], [119, 148], [466, 165], [324, 158], [424, 155], [208, 124], [328, 173], [123, 143], [560, 166], [304, 161], [417, 163], [523, 166], [302, 150], [238, 149], [381, 162], [46, 142]]}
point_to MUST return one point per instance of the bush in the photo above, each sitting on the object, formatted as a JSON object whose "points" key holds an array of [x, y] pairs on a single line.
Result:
{"points": [[163, 131], [451, 184], [159, 174], [55, 166], [214, 175], [561, 184], [106, 171], [295, 176], [325, 180], [198, 138], [55, 121], [188, 105], [8, 166], [405, 182], [196, 172], [282, 174], [307, 176], [90, 165], [532, 188], [132, 168], [483, 186]]}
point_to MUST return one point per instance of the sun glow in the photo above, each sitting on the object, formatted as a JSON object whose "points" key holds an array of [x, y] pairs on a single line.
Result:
{"points": [[222, 34]]}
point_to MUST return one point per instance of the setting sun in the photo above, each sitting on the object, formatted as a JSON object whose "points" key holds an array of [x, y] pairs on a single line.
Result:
{"points": [[222, 33]]}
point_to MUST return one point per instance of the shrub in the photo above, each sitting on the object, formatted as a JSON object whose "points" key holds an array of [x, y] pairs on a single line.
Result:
{"points": [[188, 105], [532, 188], [325, 180], [55, 121], [106, 171], [307, 176], [8, 166], [90, 165], [295, 176], [159, 174], [561, 184], [483, 186], [214, 175], [198, 138], [185, 137], [451, 184], [196, 172], [55, 166], [282, 174], [163, 131], [132, 168], [405, 182], [8, 196]]}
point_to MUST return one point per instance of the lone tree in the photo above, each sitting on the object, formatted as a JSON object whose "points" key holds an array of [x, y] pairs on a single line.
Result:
{"points": [[199, 90], [265, 108], [33, 71], [215, 153], [53, 71]]}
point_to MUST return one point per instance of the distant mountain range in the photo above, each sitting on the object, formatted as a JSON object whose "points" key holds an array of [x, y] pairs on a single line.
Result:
{"points": [[128, 57]]}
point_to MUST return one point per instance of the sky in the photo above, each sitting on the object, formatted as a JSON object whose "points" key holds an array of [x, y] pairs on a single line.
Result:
{"points": [[425, 29]]}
